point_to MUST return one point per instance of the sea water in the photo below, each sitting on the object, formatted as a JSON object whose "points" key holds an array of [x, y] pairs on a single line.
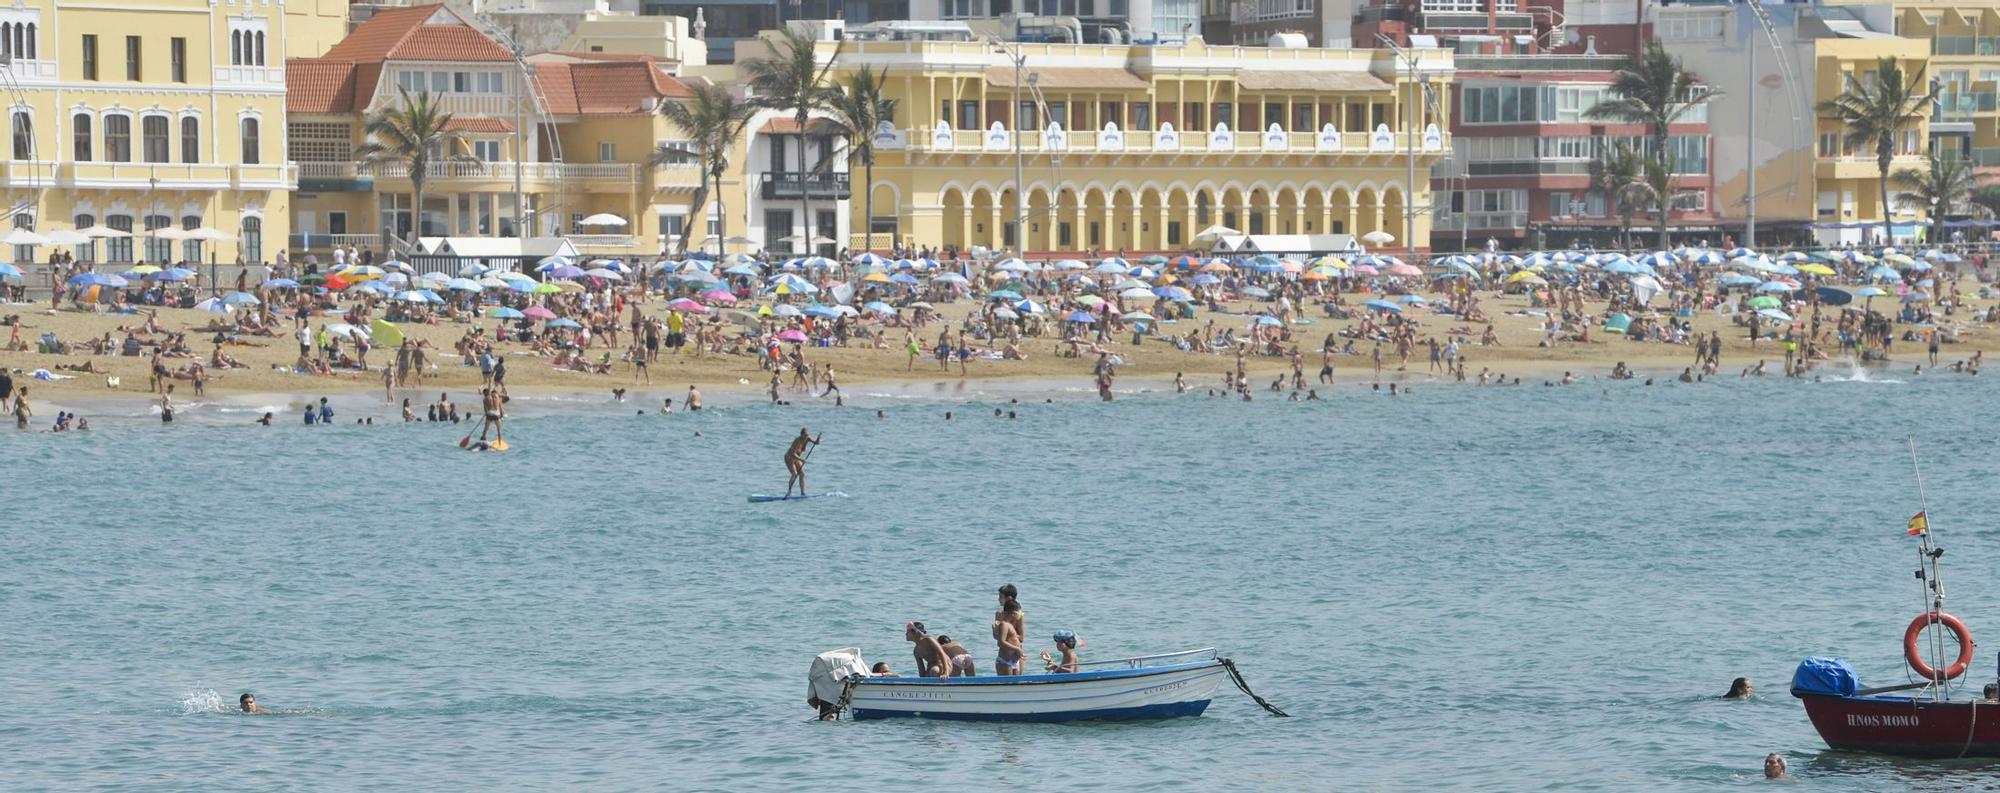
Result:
{"points": [[1466, 588]]}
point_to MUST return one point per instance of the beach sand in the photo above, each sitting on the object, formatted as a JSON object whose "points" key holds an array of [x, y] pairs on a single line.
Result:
{"points": [[1155, 361]]}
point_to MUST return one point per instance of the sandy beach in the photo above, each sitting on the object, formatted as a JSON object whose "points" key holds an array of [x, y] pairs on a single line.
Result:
{"points": [[267, 360]]}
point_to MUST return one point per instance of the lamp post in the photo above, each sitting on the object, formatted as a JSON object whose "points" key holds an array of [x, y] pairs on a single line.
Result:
{"points": [[1020, 59], [1409, 59]]}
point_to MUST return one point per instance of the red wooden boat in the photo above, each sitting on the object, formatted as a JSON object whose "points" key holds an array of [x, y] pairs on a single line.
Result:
{"points": [[1933, 717]]}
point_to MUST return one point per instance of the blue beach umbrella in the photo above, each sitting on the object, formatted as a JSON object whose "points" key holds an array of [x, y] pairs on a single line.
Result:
{"points": [[1266, 319], [9, 270], [563, 323], [281, 283], [1384, 305], [1772, 313], [463, 285], [1832, 296], [505, 312], [96, 279], [1030, 307], [241, 299], [1078, 316], [905, 278], [1003, 294]]}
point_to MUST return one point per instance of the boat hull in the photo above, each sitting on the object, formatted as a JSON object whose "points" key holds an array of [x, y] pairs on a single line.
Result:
{"points": [[1159, 692], [1906, 726]]}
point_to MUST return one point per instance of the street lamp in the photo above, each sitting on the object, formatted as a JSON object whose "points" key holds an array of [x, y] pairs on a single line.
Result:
{"points": [[1410, 110], [1020, 59]]}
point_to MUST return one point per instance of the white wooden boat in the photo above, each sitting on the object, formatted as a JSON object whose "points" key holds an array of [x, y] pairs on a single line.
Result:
{"points": [[1147, 687]]}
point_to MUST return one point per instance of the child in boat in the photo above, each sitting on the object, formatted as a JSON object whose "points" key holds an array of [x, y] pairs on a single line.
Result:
{"points": [[1066, 643]]}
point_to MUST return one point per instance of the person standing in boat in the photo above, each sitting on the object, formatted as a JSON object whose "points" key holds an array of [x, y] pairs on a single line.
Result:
{"points": [[1008, 660], [930, 655], [960, 658], [1018, 617]]}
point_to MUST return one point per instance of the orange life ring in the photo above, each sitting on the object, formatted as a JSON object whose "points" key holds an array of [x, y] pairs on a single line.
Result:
{"points": [[1912, 654]]}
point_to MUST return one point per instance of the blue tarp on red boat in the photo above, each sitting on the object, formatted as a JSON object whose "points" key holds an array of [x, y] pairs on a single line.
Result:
{"points": [[1825, 676]]}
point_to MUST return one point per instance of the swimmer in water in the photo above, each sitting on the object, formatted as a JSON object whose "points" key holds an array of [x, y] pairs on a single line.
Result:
{"points": [[1738, 689], [1774, 767], [249, 704]]}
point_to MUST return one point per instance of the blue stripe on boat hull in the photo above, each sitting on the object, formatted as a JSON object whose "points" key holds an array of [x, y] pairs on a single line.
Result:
{"points": [[1167, 710]]}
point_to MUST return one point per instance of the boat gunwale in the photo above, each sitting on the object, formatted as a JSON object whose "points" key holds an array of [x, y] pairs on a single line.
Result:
{"points": [[1042, 679]]}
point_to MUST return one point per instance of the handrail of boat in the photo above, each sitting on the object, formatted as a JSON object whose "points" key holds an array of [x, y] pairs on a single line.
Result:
{"points": [[1136, 662]]}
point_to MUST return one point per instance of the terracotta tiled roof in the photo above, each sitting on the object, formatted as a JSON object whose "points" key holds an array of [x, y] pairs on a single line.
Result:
{"points": [[616, 87], [417, 33], [790, 126], [478, 125], [317, 85]]}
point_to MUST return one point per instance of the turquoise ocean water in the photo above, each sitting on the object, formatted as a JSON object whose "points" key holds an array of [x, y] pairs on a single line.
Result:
{"points": [[1478, 589]]}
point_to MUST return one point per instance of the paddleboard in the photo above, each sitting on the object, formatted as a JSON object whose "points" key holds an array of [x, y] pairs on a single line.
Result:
{"points": [[762, 499]]}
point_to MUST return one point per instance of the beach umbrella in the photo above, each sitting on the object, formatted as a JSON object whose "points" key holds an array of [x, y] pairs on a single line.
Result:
{"points": [[950, 278], [1138, 316], [1764, 301], [565, 271], [879, 307], [1266, 319], [1897, 258], [1257, 292], [1772, 313], [1739, 279], [562, 323], [504, 312], [1627, 267], [821, 312], [213, 305], [141, 271], [875, 278], [605, 273], [8, 270], [1917, 267], [1384, 305], [411, 296], [794, 282], [1079, 316], [538, 312], [869, 259], [475, 269], [1107, 267], [686, 305], [906, 279], [279, 283], [342, 329], [1883, 273], [489, 282], [1140, 293], [1403, 270], [1916, 296], [1523, 275], [1030, 307], [1815, 268], [1832, 296], [1173, 293], [1091, 301], [96, 279], [385, 332], [1003, 294], [722, 296], [397, 267], [1411, 300], [786, 310], [1870, 291], [792, 335], [743, 270], [463, 285], [1143, 273], [1776, 286]]}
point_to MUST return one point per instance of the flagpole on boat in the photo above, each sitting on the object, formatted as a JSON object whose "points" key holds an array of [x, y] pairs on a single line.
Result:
{"points": [[1927, 567]]}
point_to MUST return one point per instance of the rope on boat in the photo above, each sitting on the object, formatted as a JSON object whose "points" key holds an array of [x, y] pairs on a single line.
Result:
{"points": [[1971, 724], [1261, 702], [846, 694]]}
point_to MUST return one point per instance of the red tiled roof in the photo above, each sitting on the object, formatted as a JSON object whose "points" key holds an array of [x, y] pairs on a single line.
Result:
{"points": [[316, 85], [790, 126], [479, 125], [417, 33], [616, 87]]}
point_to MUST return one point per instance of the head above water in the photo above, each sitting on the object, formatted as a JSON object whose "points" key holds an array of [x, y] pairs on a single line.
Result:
{"points": [[246, 701], [1738, 689]]}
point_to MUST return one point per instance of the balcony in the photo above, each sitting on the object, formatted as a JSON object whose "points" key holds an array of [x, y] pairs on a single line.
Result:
{"points": [[149, 176], [1485, 221], [1862, 166], [989, 141], [574, 177], [334, 177], [795, 186], [1541, 63]]}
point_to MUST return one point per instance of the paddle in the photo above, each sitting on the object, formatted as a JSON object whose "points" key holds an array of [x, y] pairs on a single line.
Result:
{"points": [[466, 441]]}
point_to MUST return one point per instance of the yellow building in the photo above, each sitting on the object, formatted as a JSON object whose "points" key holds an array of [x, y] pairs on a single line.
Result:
{"points": [[583, 134], [1963, 42], [1845, 175], [1141, 148], [162, 115]]}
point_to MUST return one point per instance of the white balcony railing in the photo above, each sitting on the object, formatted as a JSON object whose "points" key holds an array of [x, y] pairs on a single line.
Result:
{"points": [[1165, 142]]}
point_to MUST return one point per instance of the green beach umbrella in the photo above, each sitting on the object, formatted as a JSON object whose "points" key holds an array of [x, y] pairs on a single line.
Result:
{"points": [[1764, 301]]}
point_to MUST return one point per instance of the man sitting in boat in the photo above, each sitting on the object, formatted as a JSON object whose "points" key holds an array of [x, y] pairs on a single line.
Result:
{"points": [[931, 658], [1066, 643]]}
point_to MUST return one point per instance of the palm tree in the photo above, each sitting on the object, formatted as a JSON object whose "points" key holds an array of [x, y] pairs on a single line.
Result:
{"points": [[1986, 200], [792, 78], [859, 110], [1875, 114], [1936, 189], [1620, 176], [414, 133], [1655, 90], [712, 119]]}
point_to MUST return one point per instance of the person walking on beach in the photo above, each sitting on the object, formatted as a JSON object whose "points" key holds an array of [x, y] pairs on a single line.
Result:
{"points": [[795, 460], [21, 410]]}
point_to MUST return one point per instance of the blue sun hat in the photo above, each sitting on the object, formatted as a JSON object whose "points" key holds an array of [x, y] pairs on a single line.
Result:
{"points": [[1068, 637]]}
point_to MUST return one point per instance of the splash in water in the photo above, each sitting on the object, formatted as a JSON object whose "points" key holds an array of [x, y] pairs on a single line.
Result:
{"points": [[1856, 373], [209, 701]]}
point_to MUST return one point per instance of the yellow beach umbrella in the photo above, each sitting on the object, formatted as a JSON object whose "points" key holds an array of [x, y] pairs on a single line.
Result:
{"points": [[1334, 262], [876, 278], [1525, 275], [385, 332], [1815, 268], [144, 269]]}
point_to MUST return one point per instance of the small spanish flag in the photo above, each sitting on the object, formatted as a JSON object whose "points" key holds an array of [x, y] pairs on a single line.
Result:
{"points": [[1919, 524]]}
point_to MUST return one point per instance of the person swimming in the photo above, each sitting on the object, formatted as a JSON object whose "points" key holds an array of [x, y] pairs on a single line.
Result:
{"points": [[248, 704], [1738, 689]]}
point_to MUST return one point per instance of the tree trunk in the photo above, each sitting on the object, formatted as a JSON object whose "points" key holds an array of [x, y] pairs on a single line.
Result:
{"points": [[1666, 188], [721, 220], [805, 187], [416, 207], [1884, 152], [868, 203]]}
